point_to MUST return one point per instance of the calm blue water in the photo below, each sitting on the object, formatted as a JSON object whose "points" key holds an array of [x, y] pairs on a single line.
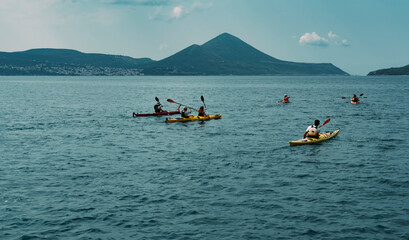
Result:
{"points": [[74, 164]]}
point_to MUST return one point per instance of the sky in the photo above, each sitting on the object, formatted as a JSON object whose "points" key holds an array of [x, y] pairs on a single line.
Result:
{"points": [[357, 36]]}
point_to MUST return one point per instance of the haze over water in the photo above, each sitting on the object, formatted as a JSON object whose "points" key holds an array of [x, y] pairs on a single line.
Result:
{"points": [[76, 165]]}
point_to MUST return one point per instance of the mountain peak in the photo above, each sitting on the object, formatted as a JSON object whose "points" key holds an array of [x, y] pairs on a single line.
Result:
{"points": [[225, 38], [230, 47], [229, 55]]}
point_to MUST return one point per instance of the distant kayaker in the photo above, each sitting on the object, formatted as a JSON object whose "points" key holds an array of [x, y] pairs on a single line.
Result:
{"points": [[183, 112], [355, 99], [313, 131], [202, 112], [286, 99], [158, 107]]}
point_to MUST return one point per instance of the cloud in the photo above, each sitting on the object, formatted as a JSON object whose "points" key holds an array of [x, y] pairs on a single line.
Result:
{"points": [[344, 43], [140, 2], [313, 39], [177, 12], [332, 35], [163, 46], [337, 40]]}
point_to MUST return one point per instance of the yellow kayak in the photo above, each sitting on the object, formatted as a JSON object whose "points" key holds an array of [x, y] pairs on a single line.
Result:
{"points": [[323, 137], [193, 118]]}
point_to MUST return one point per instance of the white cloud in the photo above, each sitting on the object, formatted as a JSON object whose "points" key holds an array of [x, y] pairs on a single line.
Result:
{"points": [[345, 43], [332, 35], [313, 39], [177, 12], [163, 46], [337, 40], [139, 2]]}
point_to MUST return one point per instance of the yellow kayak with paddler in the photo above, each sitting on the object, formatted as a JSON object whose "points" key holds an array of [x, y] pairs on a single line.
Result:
{"points": [[323, 137], [193, 118]]}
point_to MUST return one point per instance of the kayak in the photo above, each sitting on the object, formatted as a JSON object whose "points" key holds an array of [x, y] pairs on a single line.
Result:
{"points": [[155, 114], [355, 102], [193, 118], [323, 137]]}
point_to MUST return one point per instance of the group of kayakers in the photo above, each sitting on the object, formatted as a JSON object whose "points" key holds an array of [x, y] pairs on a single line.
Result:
{"points": [[313, 130], [354, 99], [184, 113]]}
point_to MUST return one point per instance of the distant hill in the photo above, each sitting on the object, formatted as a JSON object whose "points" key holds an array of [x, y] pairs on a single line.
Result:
{"points": [[228, 55], [67, 62], [223, 55], [391, 71]]}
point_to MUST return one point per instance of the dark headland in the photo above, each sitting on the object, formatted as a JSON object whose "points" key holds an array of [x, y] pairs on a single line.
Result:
{"points": [[222, 55], [391, 71]]}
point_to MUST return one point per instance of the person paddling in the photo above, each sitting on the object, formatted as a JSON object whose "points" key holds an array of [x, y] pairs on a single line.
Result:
{"points": [[286, 99], [183, 112], [313, 131], [158, 106], [355, 99], [202, 112]]}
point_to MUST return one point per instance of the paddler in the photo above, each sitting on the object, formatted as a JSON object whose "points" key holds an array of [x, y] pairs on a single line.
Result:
{"points": [[158, 106], [355, 99], [202, 112], [313, 131], [183, 112], [286, 99]]}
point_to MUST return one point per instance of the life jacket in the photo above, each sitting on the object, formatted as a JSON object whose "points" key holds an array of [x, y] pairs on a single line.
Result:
{"points": [[157, 107], [286, 99], [313, 131], [202, 113], [184, 114]]}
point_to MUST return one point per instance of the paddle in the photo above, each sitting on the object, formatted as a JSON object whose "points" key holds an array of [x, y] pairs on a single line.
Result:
{"points": [[171, 101], [327, 121], [201, 97], [348, 97]]}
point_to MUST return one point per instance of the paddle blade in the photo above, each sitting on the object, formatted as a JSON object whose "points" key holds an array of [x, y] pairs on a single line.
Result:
{"points": [[157, 99], [278, 101], [171, 101], [329, 119], [201, 97], [344, 97], [361, 94]]}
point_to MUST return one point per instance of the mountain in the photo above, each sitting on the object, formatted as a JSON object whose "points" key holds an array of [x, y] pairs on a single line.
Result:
{"points": [[222, 55], [228, 55], [67, 62], [391, 71]]}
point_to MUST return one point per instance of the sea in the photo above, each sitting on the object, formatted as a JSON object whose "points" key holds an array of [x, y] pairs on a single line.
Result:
{"points": [[75, 164]]}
